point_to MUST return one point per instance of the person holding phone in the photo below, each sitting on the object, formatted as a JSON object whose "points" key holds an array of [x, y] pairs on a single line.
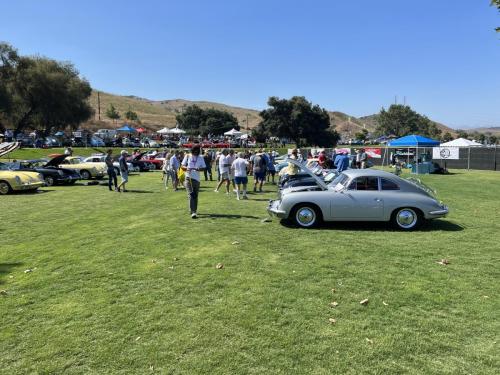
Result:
{"points": [[193, 164]]}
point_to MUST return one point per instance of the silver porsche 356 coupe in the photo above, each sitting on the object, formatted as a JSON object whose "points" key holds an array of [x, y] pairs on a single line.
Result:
{"points": [[358, 195]]}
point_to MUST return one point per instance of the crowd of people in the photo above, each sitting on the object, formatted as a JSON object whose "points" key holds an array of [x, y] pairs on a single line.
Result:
{"points": [[231, 171]]}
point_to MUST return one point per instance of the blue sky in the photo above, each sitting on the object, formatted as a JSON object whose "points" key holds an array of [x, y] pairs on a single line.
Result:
{"points": [[351, 56]]}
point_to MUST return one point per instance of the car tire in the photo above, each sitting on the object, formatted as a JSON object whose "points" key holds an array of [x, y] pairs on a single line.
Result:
{"points": [[407, 218], [306, 216], [85, 175], [49, 181], [5, 188]]}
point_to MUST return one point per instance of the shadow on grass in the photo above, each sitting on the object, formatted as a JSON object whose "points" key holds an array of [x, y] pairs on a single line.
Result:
{"points": [[428, 226], [139, 191], [6, 267], [226, 216]]}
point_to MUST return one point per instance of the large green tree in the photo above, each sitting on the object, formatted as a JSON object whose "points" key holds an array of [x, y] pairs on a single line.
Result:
{"points": [[41, 93], [196, 120], [401, 120], [297, 119]]}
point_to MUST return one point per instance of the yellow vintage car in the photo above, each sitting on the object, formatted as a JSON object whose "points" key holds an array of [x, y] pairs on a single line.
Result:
{"points": [[18, 181], [86, 170]]}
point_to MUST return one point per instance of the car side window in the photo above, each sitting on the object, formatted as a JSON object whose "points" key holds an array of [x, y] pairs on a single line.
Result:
{"points": [[364, 183], [388, 184]]}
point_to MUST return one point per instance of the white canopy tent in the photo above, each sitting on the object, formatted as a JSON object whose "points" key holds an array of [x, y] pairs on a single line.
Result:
{"points": [[163, 131], [461, 142], [233, 133], [176, 130]]}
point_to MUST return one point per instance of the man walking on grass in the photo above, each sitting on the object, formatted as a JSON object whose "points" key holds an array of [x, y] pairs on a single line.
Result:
{"points": [[111, 170], [123, 170], [224, 171], [240, 166], [193, 164], [259, 170]]}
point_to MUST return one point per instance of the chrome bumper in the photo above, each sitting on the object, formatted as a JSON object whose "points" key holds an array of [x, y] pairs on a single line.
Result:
{"points": [[442, 212], [273, 209]]}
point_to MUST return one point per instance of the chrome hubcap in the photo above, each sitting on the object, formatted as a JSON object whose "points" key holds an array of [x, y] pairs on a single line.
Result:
{"points": [[306, 216], [406, 218], [49, 181], [4, 188]]}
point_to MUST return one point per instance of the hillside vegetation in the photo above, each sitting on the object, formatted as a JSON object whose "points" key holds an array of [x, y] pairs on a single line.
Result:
{"points": [[155, 115]]}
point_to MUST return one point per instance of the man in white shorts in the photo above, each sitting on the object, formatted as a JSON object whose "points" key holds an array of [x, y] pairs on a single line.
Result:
{"points": [[239, 168]]}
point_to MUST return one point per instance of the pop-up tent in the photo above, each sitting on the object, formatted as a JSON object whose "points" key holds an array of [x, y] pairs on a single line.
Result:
{"points": [[176, 130], [413, 141], [126, 128], [233, 133], [163, 131], [461, 142]]}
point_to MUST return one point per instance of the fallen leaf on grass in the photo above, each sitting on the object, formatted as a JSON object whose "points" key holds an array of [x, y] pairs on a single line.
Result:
{"points": [[3, 292], [154, 261], [219, 266], [171, 267], [443, 262], [334, 290], [28, 270], [334, 304], [176, 259], [151, 368], [364, 302], [332, 321], [138, 338], [385, 303], [235, 243], [369, 341]]}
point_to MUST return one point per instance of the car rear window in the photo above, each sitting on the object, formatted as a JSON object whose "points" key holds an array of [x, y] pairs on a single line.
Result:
{"points": [[364, 183], [389, 185]]}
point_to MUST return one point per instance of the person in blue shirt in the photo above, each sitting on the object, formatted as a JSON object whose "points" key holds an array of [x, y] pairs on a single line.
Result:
{"points": [[342, 162]]}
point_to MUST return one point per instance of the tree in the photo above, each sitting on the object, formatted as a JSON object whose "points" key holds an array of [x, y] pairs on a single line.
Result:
{"points": [[496, 3], [297, 119], [131, 115], [462, 133], [493, 140], [112, 113], [481, 138], [401, 120], [361, 135], [41, 93], [196, 120], [446, 137]]}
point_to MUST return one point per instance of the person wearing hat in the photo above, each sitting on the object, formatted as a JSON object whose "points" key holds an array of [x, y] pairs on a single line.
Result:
{"points": [[193, 164], [123, 170]]}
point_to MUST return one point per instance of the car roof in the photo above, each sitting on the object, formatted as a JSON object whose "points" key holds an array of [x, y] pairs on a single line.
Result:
{"points": [[369, 172]]}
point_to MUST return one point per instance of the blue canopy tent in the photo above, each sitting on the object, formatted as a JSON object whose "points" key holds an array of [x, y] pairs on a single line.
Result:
{"points": [[126, 128], [414, 141]]}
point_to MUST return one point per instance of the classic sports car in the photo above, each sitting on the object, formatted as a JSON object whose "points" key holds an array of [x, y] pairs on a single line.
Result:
{"points": [[86, 170], [137, 162], [14, 180], [359, 195], [116, 165], [49, 170]]}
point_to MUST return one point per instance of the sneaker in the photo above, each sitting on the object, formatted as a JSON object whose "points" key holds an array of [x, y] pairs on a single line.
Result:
{"points": [[237, 198], [216, 191], [228, 193], [235, 191], [193, 215]]}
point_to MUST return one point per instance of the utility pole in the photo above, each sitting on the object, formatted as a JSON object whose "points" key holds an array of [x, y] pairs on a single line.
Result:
{"points": [[98, 106], [247, 121]]}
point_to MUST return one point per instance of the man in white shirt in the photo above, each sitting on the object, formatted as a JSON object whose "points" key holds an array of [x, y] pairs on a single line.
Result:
{"points": [[192, 164], [229, 160], [239, 167], [224, 171]]}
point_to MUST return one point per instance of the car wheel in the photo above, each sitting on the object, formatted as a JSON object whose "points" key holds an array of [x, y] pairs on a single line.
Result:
{"points": [[49, 180], [85, 175], [4, 188], [406, 218], [306, 216]]}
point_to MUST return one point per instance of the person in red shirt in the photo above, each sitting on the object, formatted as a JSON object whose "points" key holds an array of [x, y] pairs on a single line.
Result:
{"points": [[322, 159]]}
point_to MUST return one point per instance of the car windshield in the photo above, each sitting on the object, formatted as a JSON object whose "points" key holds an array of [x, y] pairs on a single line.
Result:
{"points": [[339, 182], [76, 161], [330, 177], [4, 167]]}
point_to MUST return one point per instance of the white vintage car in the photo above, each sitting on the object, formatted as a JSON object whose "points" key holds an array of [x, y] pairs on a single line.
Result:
{"points": [[359, 195]]}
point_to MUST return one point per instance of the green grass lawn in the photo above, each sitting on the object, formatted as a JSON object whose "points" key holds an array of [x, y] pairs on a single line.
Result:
{"points": [[126, 283]]}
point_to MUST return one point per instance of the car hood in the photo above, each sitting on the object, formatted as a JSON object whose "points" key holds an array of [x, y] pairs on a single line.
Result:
{"points": [[54, 162], [23, 176], [318, 180]]}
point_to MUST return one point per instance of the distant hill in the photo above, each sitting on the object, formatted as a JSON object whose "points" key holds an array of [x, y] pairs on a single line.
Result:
{"points": [[155, 115], [494, 130]]}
